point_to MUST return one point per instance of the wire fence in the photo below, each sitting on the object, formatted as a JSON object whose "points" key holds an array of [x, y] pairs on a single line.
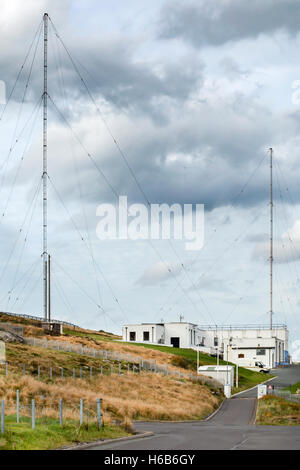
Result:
{"points": [[91, 352], [85, 372], [40, 319], [285, 394], [138, 364], [34, 412]]}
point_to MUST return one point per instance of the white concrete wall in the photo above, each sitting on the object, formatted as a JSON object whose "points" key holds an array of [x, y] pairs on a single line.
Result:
{"points": [[260, 334], [155, 332], [220, 376], [189, 335], [249, 348]]}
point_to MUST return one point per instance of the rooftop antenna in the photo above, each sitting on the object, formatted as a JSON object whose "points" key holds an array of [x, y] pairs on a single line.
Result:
{"points": [[181, 317], [45, 175], [271, 238]]}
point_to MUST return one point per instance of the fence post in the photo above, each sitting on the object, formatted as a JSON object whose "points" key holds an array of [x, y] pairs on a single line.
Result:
{"points": [[81, 372], [74, 373], [50, 373], [140, 367], [101, 370], [33, 413], [81, 411], [18, 406], [91, 372], [99, 401], [61, 412], [39, 372], [62, 371], [119, 368], [6, 369], [2, 417], [111, 369]]}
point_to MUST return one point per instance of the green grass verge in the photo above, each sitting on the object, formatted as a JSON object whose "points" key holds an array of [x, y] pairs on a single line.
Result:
{"points": [[293, 388], [94, 336], [48, 434], [276, 411], [187, 358]]}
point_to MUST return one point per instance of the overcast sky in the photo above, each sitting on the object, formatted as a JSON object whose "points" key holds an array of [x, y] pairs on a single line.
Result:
{"points": [[192, 94]]}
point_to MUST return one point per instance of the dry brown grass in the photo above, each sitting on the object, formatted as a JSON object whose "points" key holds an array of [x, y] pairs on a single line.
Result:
{"points": [[31, 328], [274, 411], [160, 357], [125, 398]]}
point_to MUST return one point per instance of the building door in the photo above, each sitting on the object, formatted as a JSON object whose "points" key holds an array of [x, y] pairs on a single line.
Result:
{"points": [[132, 336], [175, 342]]}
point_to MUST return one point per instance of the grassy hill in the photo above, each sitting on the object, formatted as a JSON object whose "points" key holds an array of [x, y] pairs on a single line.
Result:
{"points": [[177, 358], [187, 358], [126, 397]]}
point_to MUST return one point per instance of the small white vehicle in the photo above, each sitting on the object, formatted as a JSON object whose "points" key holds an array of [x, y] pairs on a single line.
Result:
{"points": [[259, 367]]}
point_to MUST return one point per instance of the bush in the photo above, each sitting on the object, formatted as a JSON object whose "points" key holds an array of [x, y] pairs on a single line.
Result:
{"points": [[183, 362]]}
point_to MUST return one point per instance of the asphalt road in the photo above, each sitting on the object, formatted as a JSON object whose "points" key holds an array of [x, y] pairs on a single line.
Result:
{"points": [[231, 428], [285, 376]]}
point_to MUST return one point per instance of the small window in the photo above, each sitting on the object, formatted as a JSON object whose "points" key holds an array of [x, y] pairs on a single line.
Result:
{"points": [[132, 336], [146, 335], [241, 356], [260, 352], [216, 341]]}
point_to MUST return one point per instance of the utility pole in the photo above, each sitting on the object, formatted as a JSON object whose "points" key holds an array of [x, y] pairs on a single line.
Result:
{"points": [[45, 175], [271, 239], [49, 290]]}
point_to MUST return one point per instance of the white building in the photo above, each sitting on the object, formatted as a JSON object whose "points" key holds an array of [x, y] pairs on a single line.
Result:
{"points": [[251, 343], [222, 374], [244, 344], [177, 334]]}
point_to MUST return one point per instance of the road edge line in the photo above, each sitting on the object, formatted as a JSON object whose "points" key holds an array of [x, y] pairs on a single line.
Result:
{"points": [[215, 412], [252, 388], [86, 445]]}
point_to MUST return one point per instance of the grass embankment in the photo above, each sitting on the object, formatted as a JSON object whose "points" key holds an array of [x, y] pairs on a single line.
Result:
{"points": [[181, 359], [48, 434], [293, 388], [187, 358], [125, 398], [88, 334], [276, 411], [19, 354]]}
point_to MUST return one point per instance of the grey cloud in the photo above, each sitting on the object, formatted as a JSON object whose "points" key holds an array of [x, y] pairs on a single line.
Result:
{"points": [[111, 71], [257, 237], [232, 69], [158, 273], [212, 285], [214, 23]]}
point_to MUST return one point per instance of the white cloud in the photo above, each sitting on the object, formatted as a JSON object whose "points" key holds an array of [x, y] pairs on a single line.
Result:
{"points": [[285, 250], [295, 350], [159, 273]]}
